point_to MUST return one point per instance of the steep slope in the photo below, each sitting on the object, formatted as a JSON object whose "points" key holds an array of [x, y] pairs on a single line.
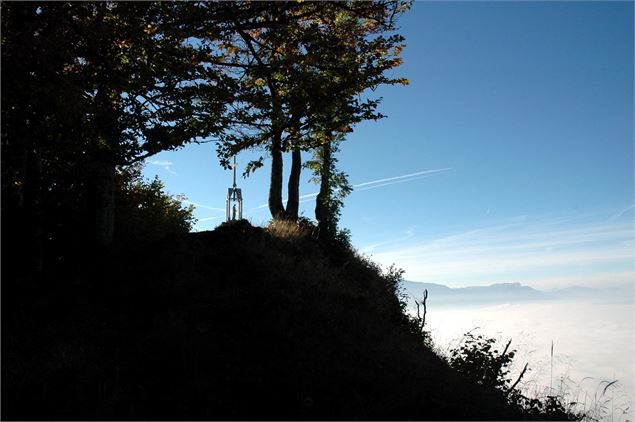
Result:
{"points": [[238, 323]]}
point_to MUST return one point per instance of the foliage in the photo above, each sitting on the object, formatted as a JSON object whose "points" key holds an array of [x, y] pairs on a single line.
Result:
{"points": [[302, 68], [109, 78], [479, 359], [145, 212], [86, 87], [393, 277], [292, 59], [334, 187], [548, 408], [141, 85]]}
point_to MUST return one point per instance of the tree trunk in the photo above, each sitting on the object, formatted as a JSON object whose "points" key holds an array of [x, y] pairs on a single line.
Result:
{"points": [[321, 202], [103, 170], [275, 187], [22, 159], [293, 203], [33, 209], [103, 201]]}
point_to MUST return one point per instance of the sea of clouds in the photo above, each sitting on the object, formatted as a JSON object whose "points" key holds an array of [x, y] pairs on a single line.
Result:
{"points": [[592, 343]]}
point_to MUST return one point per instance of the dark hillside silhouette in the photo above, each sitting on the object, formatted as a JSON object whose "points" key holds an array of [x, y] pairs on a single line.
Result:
{"points": [[238, 323]]}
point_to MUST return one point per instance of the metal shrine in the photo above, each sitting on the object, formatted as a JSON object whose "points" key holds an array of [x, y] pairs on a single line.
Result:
{"points": [[234, 199]]}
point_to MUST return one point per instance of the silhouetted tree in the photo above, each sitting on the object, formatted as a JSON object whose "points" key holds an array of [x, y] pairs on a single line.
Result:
{"points": [[145, 88], [295, 60], [89, 86]]}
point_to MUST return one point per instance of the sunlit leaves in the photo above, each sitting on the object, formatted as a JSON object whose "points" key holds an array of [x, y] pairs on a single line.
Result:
{"points": [[311, 61]]}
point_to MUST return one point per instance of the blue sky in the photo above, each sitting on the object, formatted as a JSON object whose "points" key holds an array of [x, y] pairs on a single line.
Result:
{"points": [[509, 157]]}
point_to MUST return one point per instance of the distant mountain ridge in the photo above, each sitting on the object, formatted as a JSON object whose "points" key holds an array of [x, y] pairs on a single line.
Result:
{"points": [[441, 295]]}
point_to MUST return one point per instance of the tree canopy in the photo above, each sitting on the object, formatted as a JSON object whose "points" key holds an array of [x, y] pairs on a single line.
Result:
{"points": [[304, 71], [88, 87]]}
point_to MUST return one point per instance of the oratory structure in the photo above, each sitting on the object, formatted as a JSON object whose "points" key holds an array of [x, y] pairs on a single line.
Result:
{"points": [[234, 202]]}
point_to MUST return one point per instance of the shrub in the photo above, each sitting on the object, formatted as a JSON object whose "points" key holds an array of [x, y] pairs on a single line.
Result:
{"points": [[144, 211], [480, 360]]}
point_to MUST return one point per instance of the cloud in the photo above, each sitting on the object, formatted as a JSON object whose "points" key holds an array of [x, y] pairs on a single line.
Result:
{"points": [[541, 252], [161, 163], [166, 165], [408, 234], [598, 279]]}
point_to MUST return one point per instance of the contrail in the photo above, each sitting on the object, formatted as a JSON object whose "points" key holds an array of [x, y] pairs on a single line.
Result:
{"points": [[196, 204], [209, 218], [302, 198], [405, 176], [392, 182], [373, 184], [619, 214]]}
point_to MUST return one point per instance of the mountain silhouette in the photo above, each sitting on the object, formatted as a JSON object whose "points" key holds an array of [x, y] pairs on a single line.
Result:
{"points": [[441, 295]]}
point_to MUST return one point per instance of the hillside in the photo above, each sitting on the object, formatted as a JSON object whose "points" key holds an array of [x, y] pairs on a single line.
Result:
{"points": [[236, 323]]}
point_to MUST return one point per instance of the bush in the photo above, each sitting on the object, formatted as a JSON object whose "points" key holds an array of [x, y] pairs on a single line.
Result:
{"points": [[478, 359], [144, 211]]}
